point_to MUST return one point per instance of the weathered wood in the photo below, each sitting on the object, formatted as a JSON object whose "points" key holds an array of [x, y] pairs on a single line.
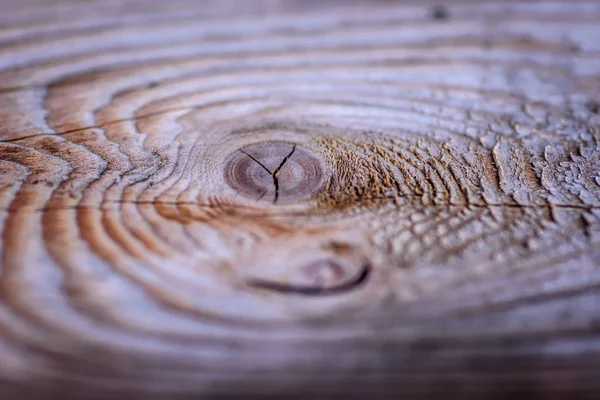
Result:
{"points": [[299, 198]]}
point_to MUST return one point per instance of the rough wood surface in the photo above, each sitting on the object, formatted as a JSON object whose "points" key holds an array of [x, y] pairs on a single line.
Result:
{"points": [[299, 198]]}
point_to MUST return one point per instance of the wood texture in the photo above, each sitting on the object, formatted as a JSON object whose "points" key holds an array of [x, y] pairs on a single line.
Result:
{"points": [[299, 198]]}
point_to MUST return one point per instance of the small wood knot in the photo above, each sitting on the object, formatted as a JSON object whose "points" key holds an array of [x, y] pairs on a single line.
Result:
{"points": [[274, 171], [321, 277], [323, 273]]}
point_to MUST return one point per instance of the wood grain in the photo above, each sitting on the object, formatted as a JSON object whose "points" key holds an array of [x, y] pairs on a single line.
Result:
{"points": [[299, 199]]}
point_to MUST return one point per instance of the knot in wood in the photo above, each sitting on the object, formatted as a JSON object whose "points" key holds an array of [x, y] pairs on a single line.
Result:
{"points": [[277, 172], [323, 273], [318, 277]]}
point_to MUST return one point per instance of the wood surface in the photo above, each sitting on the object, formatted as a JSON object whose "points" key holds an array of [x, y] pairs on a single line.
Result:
{"points": [[299, 199]]}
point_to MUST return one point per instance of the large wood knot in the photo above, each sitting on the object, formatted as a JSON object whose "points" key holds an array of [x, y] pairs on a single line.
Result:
{"points": [[274, 171]]}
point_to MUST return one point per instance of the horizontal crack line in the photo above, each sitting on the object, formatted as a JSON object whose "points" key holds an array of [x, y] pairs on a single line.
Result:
{"points": [[100, 126], [241, 206]]}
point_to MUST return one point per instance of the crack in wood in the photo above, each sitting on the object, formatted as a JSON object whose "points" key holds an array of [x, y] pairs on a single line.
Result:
{"points": [[275, 178], [419, 207], [258, 162], [272, 173]]}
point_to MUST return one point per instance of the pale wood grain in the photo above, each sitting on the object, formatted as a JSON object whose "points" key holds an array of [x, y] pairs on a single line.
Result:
{"points": [[432, 229]]}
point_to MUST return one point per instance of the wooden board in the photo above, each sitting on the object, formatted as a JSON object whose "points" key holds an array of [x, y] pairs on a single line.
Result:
{"points": [[299, 199]]}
